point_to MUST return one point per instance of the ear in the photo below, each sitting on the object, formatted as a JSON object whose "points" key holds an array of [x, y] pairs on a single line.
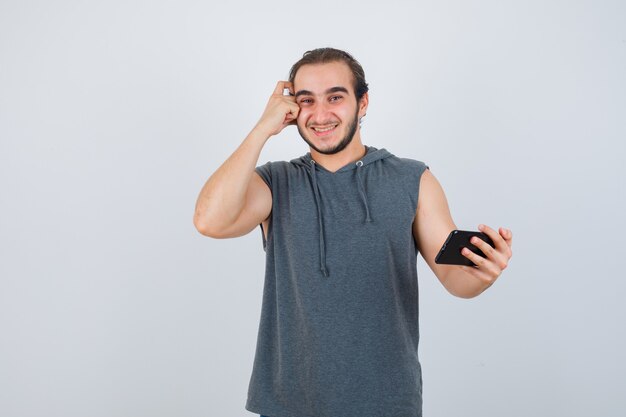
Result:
{"points": [[363, 104]]}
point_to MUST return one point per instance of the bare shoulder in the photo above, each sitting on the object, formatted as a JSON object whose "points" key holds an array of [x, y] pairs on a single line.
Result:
{"points": [[430, 192]]}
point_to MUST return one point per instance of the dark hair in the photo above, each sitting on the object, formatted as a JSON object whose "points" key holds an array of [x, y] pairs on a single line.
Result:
{"points": [[326, 55]]}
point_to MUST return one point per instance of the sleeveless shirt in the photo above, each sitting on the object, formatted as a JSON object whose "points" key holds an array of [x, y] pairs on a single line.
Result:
{"points": [[338, 333]]}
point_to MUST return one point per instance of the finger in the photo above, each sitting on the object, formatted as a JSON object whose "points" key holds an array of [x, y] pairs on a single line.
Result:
{"points": [[477, 259], [289, 120], [294, 109], [496, 256], [489, 268], [498, 241], [507, 235], [280, 87], [485, 247], [503, 250], [289, 86], [292, 115]]}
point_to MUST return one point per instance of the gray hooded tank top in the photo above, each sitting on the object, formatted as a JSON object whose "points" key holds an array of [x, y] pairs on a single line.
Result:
{"points": [[338, 333]]}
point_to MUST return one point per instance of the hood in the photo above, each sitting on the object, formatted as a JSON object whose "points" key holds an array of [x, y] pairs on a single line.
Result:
{"points": [[372, 154]]}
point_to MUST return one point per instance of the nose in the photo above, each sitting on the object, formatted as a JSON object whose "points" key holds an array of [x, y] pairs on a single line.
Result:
{"points": [[320, 113]]}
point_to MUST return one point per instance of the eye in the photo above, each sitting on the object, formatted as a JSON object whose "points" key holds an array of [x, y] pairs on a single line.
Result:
{"points": [[335, 98], [306, 101]]}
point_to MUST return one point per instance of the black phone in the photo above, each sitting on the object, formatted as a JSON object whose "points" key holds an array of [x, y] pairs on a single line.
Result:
{"points": [[450, 252]]}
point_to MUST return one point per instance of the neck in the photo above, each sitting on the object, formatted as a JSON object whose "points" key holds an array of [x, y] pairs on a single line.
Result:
{"points": [[352, 153]]}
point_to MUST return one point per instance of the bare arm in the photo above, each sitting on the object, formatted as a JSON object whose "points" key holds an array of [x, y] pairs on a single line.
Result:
{"points": [[431, 227], [235, 199]]}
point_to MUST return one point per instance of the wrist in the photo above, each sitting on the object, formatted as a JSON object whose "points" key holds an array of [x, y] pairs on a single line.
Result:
{"points": [[260, 133], [263, 130]]}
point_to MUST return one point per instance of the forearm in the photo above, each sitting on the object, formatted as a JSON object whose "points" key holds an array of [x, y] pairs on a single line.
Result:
{"points": [[223, 196], [462, 284]]}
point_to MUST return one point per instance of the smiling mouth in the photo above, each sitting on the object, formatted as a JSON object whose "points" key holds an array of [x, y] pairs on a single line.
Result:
{"points": [[324, 130]]}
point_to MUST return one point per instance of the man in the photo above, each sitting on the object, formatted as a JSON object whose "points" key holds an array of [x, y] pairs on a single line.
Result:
{"points": [[341, 227]]}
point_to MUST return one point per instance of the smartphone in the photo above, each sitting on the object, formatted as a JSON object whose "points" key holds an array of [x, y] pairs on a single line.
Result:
{"points": [[450, 252]]}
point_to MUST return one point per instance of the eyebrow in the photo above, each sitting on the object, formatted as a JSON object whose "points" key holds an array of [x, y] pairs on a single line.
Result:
{"points": [[331, 90]]}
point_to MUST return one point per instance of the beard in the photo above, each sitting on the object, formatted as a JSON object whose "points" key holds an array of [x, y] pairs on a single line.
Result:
{"points": [[343, 143]]}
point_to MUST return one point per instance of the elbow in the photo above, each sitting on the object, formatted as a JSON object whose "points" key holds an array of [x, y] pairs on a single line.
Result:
{"points": [[201, 227], [464, 295], [461, 285], [205, 227], [467, 292], [211, 228], [464, 291]]}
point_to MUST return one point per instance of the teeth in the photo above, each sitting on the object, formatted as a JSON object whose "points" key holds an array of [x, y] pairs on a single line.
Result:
{"points": [[325, 129]]}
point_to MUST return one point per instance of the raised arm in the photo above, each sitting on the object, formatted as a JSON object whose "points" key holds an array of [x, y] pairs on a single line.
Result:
{"points": [[235, 199]]}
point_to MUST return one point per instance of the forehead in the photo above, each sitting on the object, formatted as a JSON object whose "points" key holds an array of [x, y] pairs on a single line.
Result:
{"points": [[318, 78]]}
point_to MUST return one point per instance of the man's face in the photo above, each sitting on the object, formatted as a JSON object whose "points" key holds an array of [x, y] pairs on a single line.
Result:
{"points": [[329, 113]]}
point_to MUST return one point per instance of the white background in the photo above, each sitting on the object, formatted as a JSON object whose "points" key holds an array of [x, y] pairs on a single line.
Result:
{"points": [[113, 114]]}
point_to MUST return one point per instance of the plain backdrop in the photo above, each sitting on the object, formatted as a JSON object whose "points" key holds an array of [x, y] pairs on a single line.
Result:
{"points": [[114, 114]]}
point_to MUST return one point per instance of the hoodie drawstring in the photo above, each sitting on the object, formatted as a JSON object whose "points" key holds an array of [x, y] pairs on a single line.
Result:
{"points": [[316, 193], [359, 164]]}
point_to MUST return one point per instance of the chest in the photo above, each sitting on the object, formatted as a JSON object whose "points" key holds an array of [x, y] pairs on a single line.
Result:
{"points": [[340, 208]]}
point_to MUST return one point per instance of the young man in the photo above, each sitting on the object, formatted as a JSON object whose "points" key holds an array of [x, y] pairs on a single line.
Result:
{"points": [[341, 227]]}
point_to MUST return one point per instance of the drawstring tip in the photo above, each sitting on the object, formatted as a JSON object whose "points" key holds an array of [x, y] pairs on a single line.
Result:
{"points": [[324, 272]]}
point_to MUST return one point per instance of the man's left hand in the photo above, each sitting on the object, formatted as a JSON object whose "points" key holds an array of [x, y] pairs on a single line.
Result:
{"points": [[497, 258]]}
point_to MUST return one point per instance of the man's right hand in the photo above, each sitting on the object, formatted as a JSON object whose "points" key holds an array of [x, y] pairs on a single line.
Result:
{"points": [[281, 110]]}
